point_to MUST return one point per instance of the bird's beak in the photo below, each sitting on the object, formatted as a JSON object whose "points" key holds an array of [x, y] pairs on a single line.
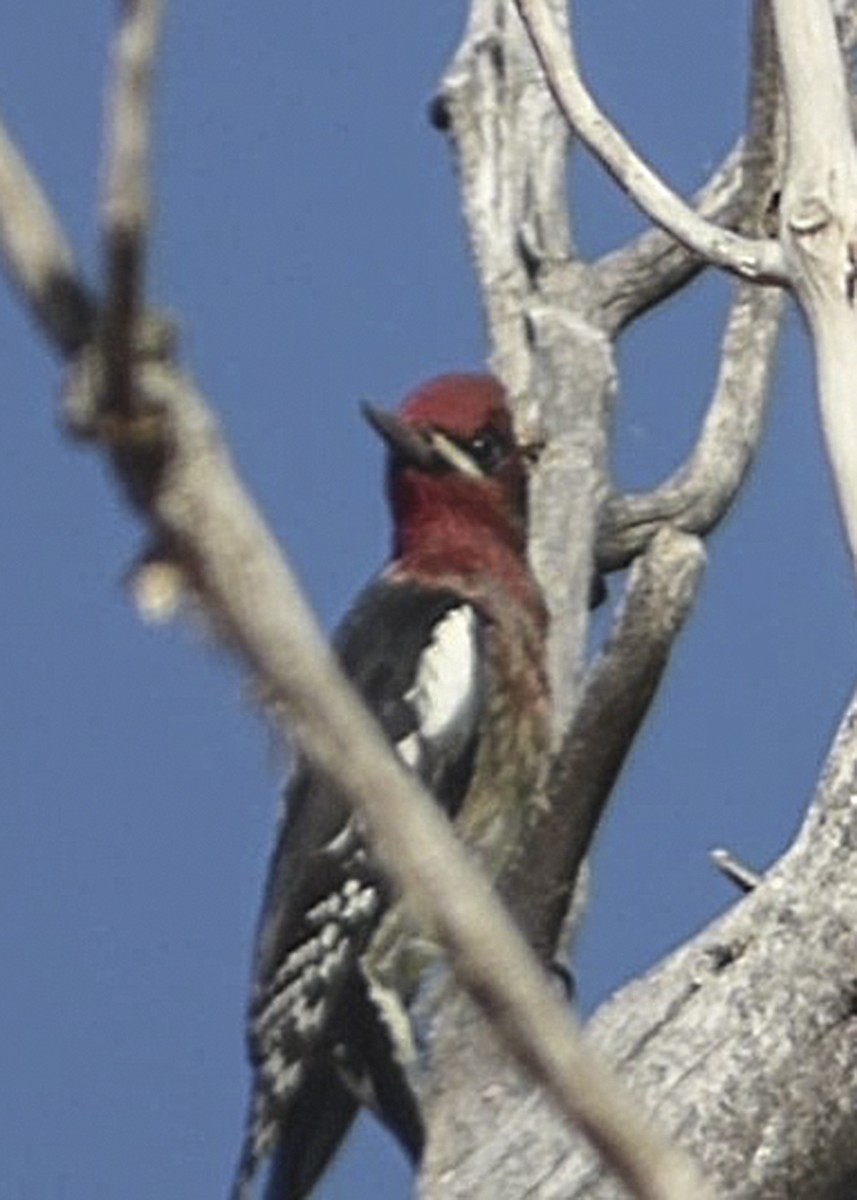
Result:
{"points": [[407, 444]]}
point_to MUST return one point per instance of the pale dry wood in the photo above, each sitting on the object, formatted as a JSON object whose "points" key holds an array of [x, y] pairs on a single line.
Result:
{"points": [[654, 266], [819, 225], [126, 204], [700, 493], [510, 147], [743, 1042], [510, 152], [735, 871], [37, 257], [751, 258], [741, 194], [619, 689], [717, 1043]]}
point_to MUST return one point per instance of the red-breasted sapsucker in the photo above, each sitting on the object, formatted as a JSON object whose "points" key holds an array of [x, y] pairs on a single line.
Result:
{"points": [[446, 647]]}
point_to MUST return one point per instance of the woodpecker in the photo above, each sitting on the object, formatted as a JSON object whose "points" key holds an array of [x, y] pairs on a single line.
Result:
{"points": [[447, 648]]}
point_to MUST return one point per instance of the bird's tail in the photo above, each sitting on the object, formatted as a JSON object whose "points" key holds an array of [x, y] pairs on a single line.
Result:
{"points": [[301, 1143]]}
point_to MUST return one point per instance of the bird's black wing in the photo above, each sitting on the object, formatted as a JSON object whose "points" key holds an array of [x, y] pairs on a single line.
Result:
{"points": [[416, 657]]}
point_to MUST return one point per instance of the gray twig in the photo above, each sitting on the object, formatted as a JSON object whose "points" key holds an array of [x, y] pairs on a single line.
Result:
{"points": [[126, 200], [38, 259], [736, 872], [618, 693]]}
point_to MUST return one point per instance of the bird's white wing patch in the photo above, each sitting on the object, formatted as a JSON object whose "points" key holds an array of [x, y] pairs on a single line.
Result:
{"points": [[410, 750], [445, 691]]}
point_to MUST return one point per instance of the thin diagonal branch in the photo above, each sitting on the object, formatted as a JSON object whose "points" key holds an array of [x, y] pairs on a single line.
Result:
{"points": [[737, 872], [126, 199], [750, 258], [700, 493], [617, 695], [38, 258], [651, 268], [740, 194]]}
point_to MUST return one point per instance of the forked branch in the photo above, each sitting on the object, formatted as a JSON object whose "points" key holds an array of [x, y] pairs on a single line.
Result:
{"points": [[700, 493], [741, 194], [751, 258]]}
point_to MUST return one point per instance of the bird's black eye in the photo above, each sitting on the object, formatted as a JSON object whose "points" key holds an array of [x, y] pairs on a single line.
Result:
{"points": [[490, 448]]}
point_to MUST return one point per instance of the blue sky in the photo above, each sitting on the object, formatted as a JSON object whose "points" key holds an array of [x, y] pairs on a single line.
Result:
{"points": [[308, 235]]}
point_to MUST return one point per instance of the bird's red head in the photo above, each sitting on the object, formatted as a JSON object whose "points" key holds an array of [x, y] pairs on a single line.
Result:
{"points": [[457, 479]]}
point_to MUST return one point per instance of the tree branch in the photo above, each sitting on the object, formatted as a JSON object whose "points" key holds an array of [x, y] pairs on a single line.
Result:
{"points": [[510, 146], [700, 493], [819, 225], [636, 277], [740, 194], [126, 199], [683, 1041], [38, 259], [743, 1041], [618, 693], [750, 258]]}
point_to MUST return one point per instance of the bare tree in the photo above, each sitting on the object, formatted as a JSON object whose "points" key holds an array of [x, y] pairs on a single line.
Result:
{"points": [[742, 1043], [717, 1040]]}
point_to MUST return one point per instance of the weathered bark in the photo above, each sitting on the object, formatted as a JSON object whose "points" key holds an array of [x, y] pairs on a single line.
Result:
{"points": [[742, 1045], [510, 147]]}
